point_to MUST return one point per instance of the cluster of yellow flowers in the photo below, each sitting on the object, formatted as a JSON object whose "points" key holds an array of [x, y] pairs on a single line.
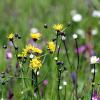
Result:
{"points": [[30, 49], [35, 61]]}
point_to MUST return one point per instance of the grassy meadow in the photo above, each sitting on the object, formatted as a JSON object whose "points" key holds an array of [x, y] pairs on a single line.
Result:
{"points": [[66, 73]]}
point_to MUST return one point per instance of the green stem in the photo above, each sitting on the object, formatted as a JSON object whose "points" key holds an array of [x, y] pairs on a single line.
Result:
{"points": [[93, 81]]}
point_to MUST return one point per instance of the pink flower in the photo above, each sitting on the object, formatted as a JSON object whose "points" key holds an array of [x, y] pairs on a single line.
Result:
{"points": [[8, 54]]}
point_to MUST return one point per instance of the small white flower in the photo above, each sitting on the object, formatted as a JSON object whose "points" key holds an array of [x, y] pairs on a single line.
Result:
{"points": [[31, 56], [2, 99], [96, 13], [38, 72], [55, 58], [60, 87], [35, 95], [74, 36], [93, 70], [63, 37], [94, 31], [94, 60], [64, 83], [77, 17], [34, 30]]}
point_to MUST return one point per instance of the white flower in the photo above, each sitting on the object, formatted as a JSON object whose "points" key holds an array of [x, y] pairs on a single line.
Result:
{"points": [[60, 87], [64, 83], [63, 37], [94, 60], [34, 30], [74, 36], [77, 17], [96, 13], [31, 56], [55, 58], [94, 31]]}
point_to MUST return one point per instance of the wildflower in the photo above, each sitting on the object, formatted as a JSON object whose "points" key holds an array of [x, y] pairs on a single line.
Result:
{"points": [[10, 94], [77, 17], [95, 96], [96, 13], [33, 30], [94, 31], [94, 60], [35, 63], [37, 50], [63, 38], [11, 36], [35, 36], [55, 58], [31, 56], [45, 82], [51, 46], [74, 36], [60, 87], [8, 54], [73, 76], [64, 83], [30, 48], [58, 27]]}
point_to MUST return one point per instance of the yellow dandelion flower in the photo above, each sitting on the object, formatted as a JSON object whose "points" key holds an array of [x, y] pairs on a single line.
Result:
{"points": [[58, 27], [11, 36], [35, 36], [37, 50], [35, 63], [29, 48], [51, 46]]}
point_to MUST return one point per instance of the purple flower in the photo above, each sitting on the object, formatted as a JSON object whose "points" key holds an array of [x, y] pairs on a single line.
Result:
{"points": [[8, 54], [45, 82], [90, 49], [95, 96], [81, 49], [98, 60], [10, 95], [73, 76]]}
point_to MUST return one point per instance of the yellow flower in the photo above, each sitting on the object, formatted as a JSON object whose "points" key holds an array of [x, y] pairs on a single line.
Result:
{"points": [[35, 63], [31, 49], [37, 50], [11, 36], [58, 27], [35, 36], [51, 46]]}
